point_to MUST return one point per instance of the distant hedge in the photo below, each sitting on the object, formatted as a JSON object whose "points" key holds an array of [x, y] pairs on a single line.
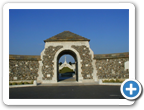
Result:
{"points": [[65, 70], [112, 81], [20, 83]]}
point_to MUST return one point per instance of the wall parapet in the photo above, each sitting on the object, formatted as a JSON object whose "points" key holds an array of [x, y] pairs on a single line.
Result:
{"points": [[111, 56], [96, 56], [24, 57]]}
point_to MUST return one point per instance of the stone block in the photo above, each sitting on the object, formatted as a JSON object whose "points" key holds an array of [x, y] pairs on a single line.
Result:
{"points": [[35, 82], [48, 75], [126, 65], [86, 64], [100, 81], [88, 75], [14, 78]]}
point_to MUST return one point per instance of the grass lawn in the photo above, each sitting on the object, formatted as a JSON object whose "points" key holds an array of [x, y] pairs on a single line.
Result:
{"points": [[66, 70]]}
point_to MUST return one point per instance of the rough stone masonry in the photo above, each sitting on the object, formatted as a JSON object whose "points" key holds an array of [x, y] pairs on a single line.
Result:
{"points": [[112, 66], [23, 67], [87, 68], [109, 66]]}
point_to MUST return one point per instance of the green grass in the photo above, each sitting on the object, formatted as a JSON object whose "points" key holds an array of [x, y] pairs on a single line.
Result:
{"points": [[20, 83], [66, 70], [112, 81]]}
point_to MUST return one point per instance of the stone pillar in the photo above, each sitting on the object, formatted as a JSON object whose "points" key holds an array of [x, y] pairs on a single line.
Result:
{"points": [[94, 70], [40, 75], [126, 65], [35, 83], [100, 81]]}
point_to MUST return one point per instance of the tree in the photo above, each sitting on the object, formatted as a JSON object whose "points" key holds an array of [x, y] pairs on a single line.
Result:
{"points": [[60, 63], [70, 63]]}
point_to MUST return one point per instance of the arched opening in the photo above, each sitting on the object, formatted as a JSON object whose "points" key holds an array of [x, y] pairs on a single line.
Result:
{"points": [[74, 74]]}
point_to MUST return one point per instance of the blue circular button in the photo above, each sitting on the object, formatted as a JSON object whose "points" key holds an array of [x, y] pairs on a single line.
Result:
{"points": [[130, 89]]}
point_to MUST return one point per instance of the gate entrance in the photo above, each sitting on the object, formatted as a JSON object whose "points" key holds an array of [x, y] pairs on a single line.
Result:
{"points": [[74, 75], [67, 43]]}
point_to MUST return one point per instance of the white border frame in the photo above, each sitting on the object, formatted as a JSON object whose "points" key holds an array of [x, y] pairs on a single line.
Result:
{"points": [[8, 6]]}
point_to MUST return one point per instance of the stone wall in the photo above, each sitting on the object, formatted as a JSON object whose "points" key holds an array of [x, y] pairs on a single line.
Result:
{"points": [[23, 67], [86, 59], [47, 68], [24, 57], [111, 66]]}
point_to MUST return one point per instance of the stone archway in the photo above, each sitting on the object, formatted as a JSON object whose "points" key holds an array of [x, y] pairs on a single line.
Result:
{"points": [[67, 42], [75, 54], [70, 52]]}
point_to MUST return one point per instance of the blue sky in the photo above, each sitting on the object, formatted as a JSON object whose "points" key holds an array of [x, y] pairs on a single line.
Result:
{"points": [[107, 29]]}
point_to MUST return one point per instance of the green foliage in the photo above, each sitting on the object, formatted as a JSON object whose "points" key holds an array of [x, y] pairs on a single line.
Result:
{"points": [[31, 82], [10, 83], [70, 63], [66, 70], [14, 83], [117, 80], [20, 83], [26, 83], [105, 81], [112, 81], [60, 63]]}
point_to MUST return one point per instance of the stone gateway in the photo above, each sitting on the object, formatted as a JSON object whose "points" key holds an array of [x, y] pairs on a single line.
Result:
{"points": [[89, 67], [74, 45]]}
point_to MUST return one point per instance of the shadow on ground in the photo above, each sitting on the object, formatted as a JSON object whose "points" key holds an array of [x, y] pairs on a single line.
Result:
{"points": [[66, 77]]}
